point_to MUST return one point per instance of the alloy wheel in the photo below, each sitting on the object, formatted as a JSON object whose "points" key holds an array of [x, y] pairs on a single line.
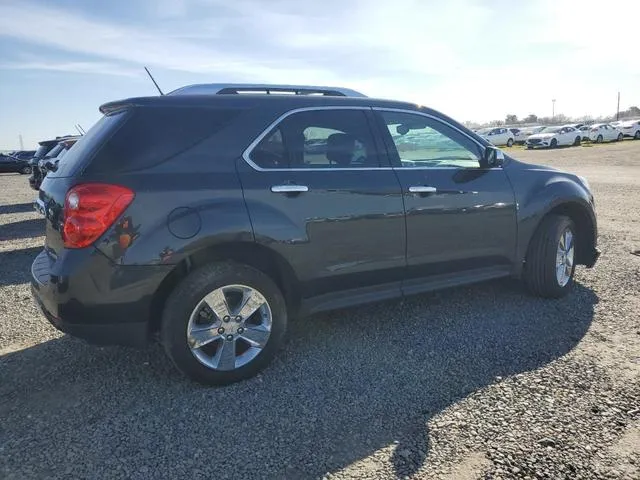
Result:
{"points": [[564, 257], [229, 327]]}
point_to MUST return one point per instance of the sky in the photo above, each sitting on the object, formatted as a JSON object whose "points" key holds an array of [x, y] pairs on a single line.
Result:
{"points": [[471, 59]]}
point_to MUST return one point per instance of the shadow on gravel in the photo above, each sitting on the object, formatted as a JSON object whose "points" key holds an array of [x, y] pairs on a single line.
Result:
{"points": [[16, 208], [22, 229], [347, 385], [15, 265]]}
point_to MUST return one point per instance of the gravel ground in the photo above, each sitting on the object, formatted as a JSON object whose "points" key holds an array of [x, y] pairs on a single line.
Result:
{"points": [[477, 382]]}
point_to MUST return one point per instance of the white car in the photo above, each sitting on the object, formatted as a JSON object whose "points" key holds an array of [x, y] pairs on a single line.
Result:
{"points": [[631, 129], [552, 137], [498, 136], [605, 132], [526, 132]]}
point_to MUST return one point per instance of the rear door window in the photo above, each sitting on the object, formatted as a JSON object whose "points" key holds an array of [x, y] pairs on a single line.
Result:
{"points": [[326, 139]]}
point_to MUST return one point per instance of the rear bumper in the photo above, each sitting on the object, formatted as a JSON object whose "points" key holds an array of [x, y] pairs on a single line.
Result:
{"points": [[134, 334], [84, 294]]}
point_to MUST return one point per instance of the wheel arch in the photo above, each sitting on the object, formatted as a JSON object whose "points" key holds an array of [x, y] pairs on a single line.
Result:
{"points": [[253, 254], [584, 221]]}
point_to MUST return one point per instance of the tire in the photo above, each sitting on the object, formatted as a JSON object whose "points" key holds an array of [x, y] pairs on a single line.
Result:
{"points": [[554, 143], [510, 143], [542, 275], [26, 170], [620, 137], [577, 142], [637, 135], [529, 147], [185, 307], [599, 139]]}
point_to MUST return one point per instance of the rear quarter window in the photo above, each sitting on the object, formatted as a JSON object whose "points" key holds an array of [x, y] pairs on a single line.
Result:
{"points": [[152, 135]]}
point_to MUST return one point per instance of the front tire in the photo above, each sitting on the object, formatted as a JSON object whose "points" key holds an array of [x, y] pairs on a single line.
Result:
{"points": [[637, 135], [554, 143], [620, 137], [550, 261], [510, 143], [26, 171], [577, 142], [599, 139], [223, 323]]}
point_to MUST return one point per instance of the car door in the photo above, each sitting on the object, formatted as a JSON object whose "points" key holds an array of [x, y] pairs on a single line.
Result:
{"points": [[612, 134], [460, 216], [321, 195]]}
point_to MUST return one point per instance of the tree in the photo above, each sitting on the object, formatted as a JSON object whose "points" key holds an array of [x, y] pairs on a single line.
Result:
{"points": [[531, 118], [511, 119]]}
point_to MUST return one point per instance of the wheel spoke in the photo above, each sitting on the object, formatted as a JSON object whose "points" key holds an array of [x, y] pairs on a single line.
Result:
{"points": [[568, 243], [559, 260], [225, 357], [218, 303], [251, 301], [560, 273], [256, 336], [562, 242], [201, 336]]}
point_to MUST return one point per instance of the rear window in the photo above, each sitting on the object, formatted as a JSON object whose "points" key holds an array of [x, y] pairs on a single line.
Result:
{"points": [[152, 135], [84, 148]]}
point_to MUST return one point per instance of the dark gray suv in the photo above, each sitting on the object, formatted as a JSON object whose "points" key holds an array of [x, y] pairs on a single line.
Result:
{"points": [[207, 217]]}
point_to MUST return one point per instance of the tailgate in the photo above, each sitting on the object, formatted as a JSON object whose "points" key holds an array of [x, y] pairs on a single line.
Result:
{"points": [[50, 203]]}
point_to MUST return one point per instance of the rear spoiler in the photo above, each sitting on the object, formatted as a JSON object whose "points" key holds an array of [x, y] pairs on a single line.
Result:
{"points": [[116, 106]]}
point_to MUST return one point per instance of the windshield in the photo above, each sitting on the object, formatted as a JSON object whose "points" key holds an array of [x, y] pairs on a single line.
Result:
{"points": [[482, 131], [550, 130]]}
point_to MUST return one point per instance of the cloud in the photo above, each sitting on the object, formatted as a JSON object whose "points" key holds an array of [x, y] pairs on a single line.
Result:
{"points": [[470, 58], [98, 68]]}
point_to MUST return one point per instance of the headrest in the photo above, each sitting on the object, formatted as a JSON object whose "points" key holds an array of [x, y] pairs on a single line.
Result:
{"points": [[340, 148]]}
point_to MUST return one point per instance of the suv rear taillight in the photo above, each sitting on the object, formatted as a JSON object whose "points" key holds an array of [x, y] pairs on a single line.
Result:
{"points": [[90, 209]]}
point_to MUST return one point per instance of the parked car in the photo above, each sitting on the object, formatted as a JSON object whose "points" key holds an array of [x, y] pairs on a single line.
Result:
{"points": [[526, 132], [498, 136], [24, 154], [605, 132], [552, 137], [44, 147], [584, 131], [52, 160], [631, 128], [10, 164], [199, 219]]}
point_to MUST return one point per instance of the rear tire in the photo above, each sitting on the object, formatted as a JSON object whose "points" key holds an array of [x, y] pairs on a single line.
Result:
{"points": [[181, 317], [510, 143], [637, 135], [544, 273], [577, 142], [599, 139], [620, 137], [26, 171]]}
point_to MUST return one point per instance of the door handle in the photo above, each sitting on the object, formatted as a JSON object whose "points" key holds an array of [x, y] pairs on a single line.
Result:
{"points": [[422, 189], [289, 188]]}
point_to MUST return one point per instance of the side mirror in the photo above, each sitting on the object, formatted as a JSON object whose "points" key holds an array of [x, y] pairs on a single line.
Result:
{"points": [[493, 157]]}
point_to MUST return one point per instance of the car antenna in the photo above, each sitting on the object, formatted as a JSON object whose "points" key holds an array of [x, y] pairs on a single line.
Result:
{"points": [[153, 80], [83, 131], [78, 129]]}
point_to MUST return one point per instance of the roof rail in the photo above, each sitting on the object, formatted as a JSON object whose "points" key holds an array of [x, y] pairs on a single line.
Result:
{"points": [[248, 88]]}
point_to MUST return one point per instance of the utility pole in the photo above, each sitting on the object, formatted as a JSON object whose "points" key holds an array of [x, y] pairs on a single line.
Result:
{"points": [[618, 109], [553, 109], [21, 142]]}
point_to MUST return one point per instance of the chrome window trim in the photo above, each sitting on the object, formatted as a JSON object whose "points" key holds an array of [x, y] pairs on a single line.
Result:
{"points": [[247, 152]]}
